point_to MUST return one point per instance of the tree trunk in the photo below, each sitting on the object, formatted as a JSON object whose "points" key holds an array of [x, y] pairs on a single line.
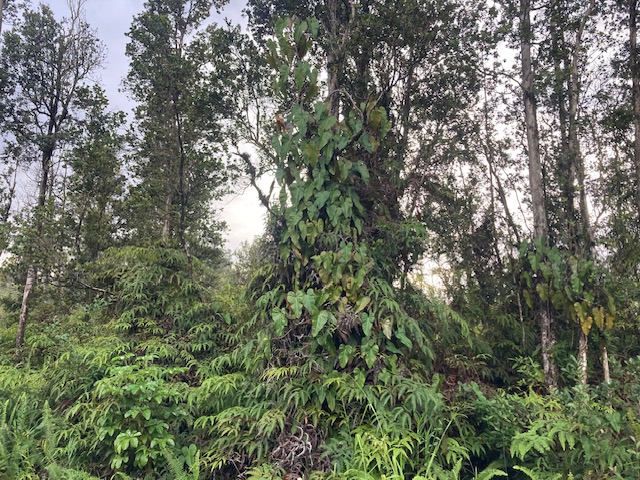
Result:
{"points": [[583, 242], [22, 322], [182, 178], [166, 220], [541, 229], [583, 348], [30, 281], [635, 76], [332, 61], [604, 355], [566, 177], [6, 209]]}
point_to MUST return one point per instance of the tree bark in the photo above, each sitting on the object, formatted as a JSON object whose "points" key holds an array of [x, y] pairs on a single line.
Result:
{"points": [[166, 219], [541, 229], [24, 310], [31, 273], [604, 355], [583, 349]]}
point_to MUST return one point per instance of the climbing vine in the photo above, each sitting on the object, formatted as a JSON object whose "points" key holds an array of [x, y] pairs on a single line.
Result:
{"points": [[328, 288]]}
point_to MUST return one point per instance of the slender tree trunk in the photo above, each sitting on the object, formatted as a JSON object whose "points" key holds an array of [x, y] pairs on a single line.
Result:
{"points": [[24, 310], [182, 180], [635, 76], [406, 109], [11, 192], [604, 355], [77, 241], [332, 60], [339, 31], [583, 241], [30, 281], [166, 219], [541, 229], [566, 177], [583, 349]]}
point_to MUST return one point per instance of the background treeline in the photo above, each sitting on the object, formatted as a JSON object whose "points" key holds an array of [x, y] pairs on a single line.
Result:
{"points": [[496, 143]]}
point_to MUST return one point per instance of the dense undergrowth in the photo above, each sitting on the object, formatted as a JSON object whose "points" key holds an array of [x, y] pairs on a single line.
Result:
{"points": [[164, 378]]}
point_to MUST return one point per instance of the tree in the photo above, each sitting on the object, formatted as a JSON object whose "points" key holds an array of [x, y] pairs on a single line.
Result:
{"points": [[45, 63], [96, 184], [634, 67], [180, 77], [397, 56]]}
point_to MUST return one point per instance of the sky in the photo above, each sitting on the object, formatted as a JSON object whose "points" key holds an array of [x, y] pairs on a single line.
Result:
{"points": [[111, 20]]}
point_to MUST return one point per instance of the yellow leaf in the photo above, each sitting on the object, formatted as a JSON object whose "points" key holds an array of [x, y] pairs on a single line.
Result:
{"points": [[586, 325], [598, 316], [610, 318]]}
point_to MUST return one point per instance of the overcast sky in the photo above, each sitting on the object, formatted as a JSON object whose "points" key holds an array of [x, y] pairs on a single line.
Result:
{"points": [[111, 19]]}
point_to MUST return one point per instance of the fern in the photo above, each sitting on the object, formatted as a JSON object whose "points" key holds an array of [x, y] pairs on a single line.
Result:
{"points": [[534, 475], [187, 467]]}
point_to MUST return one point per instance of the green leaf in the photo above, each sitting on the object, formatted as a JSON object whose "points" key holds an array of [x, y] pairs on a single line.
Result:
{"points": [[362, 303], [527, 298], [309, 300], [312, 152], [302, 227], [300, 74], [326, 136], [365, 141], [576, 284], [280, 320], [345, 354], [314, 25], [327, 123], [367, 323], [294, 300], [369, 351], [557, 299], [361, 169], [320, 321], [402, 336], [321, 198], [534, 261], [543, 291]]}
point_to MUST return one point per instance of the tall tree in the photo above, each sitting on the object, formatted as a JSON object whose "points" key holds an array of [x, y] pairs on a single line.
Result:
{"points": [[96, 184], [541, 228], [634, 67], [45, 62], [179, 77], [394, 55]]}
